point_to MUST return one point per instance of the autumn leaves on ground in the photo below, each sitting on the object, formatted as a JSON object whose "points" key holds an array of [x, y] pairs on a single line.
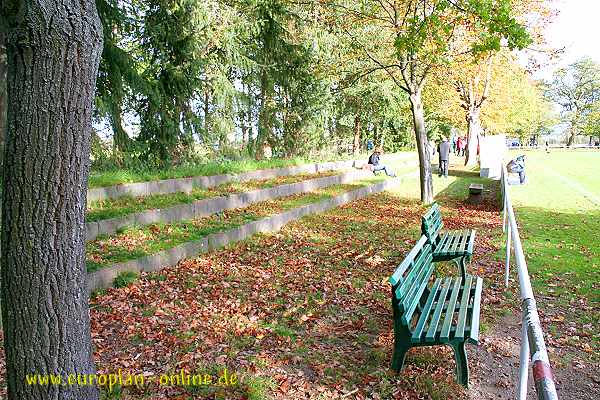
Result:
{"points": [[300, 314]]}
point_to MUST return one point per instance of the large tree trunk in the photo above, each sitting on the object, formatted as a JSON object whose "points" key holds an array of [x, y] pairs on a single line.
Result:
{"points": [[356, 141], [53, 52], [3, 102], [416, 105], [264, 117], [473, 134]]}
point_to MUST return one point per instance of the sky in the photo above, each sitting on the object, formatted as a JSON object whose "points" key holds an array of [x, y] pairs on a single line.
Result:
{"points": [[577, 30]]}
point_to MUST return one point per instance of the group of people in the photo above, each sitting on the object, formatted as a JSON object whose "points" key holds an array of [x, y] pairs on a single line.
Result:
{"points": [[443, 149], [459, 144]]}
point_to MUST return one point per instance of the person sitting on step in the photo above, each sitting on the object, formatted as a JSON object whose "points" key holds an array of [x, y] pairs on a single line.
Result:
{"points": [[377, 166]]}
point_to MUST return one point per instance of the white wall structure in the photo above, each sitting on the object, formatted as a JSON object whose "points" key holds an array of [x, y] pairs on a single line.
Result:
{"points": [[492, 151]]}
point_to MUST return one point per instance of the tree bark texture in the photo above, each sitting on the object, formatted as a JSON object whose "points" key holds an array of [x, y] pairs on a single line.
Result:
{"points": [[416, 104], [3, 102], [473, 97], [572, 136], [53, 52]]}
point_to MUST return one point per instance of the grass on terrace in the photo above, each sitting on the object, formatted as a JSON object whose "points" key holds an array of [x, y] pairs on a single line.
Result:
{"points": [[135, 242], [122, 206], [117, 176]]}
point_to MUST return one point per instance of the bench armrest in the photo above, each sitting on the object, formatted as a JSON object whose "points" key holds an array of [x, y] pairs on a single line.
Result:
{"points": [[471, 242]]}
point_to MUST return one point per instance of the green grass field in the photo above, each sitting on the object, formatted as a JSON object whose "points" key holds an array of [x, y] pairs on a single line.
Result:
{"points": [[558, 211]]}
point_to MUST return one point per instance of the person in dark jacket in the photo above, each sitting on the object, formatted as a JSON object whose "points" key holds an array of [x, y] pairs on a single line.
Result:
{"points": [[377, 166], [444, 156]]}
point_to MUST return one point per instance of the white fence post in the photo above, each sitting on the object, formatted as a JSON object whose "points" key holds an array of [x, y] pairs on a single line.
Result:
{"points": [[524, 363], [532, 337], [508, 244]]}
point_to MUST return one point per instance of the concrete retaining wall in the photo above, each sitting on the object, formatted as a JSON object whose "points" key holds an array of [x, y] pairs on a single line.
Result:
{"points": [[104, 277], [206, 207], [188, 184]]}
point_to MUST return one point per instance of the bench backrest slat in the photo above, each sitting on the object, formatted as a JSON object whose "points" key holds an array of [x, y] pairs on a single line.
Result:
{"points": [[411, 277], [406, 263], [432, 223], [415, 270], [413, 298]]}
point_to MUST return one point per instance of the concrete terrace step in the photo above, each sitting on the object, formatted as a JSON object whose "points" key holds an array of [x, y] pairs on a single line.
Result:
{"points": [[186, 185], [210, 206], [104, 277]]}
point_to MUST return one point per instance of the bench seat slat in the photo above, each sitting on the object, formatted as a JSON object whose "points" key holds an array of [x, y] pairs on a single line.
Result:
{"points": [[435, 319], [444, 239], [464, 308], [447, 244], [445, 332], [474, 334], [416, 336], [471, 242], [457, 240], [464, 241]]}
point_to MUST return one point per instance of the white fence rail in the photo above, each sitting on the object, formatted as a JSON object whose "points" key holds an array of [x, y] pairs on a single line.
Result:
{"points": [[532, 336]]}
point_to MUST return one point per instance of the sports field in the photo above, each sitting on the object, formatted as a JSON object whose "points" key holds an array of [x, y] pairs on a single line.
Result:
{"points": [[559, 214]]}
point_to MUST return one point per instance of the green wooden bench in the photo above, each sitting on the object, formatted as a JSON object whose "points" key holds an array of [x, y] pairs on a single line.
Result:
{"points": [[445, 312], [449, 245]]}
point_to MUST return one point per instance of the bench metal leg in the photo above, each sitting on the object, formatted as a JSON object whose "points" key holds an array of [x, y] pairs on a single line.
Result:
{"points": [[399, 357], [462, 366], [461, 263]]}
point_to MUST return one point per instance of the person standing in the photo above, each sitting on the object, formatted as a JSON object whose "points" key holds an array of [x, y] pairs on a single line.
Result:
{"points": [[444, 156], [458, 145]]}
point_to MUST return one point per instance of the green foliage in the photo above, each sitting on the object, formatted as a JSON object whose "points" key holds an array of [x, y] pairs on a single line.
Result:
{"points": [[576, 89], [183, 82]]}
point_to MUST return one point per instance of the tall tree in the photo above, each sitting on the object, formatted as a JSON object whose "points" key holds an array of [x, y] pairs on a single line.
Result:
{"points": [[591, 124], [576, 89], [421, 35], [473, 88], [118, 71], [53, 50]]}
